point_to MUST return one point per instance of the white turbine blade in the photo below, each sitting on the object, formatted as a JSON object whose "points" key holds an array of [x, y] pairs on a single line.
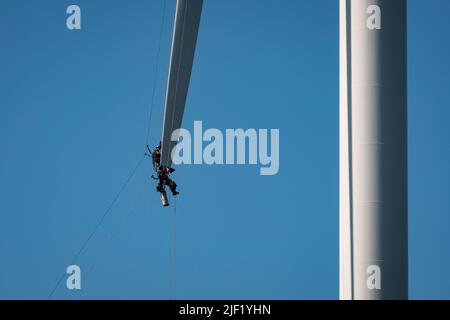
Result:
{"points": [[187, 21]]}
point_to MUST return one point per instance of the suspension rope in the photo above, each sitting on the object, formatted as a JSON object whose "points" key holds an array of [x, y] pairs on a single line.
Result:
{"points": [[155, 77], [173, 251], [74, 260], [120, 224]]}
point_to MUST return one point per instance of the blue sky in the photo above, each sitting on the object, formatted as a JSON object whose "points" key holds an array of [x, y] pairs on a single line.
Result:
{"points": [[73, 117]]}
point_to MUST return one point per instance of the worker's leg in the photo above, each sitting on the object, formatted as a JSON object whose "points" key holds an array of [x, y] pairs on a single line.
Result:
{"points": [[172, 185]]}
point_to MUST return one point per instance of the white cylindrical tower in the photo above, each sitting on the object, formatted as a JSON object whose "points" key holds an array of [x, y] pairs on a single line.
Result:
{"points": [[373, 150]]}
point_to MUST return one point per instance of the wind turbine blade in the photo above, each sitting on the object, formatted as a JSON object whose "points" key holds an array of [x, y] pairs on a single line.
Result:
{"points": [[187, 21]]}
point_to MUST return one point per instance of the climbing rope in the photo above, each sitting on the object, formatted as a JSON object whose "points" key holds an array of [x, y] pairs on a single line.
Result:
{"points": [[85, 243], [132, 206], [155, 76], [120, 224], [173, 250]]}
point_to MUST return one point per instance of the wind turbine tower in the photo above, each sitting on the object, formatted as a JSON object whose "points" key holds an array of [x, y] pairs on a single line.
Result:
{"points": [[373, 208]]}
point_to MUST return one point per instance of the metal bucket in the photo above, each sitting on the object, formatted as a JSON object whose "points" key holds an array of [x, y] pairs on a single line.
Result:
{"points": [[164, 199]]}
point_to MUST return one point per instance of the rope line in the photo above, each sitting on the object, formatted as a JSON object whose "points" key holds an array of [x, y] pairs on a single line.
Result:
{"points": [[173, 251], [133, 205], [98, 224], [121, 223], [155, 77]]}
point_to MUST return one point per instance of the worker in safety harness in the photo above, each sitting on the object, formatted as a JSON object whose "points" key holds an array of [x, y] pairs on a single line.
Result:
{"points": [[155, 155], [162, 172], [164, 180]]}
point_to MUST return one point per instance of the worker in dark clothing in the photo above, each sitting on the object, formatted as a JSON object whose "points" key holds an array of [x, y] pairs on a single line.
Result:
{"points": [[164, 180], [156, 156], [162, 175]]}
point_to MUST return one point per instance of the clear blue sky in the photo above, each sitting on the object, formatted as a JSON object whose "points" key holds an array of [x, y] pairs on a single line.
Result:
{"points": [[73, 112]]}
